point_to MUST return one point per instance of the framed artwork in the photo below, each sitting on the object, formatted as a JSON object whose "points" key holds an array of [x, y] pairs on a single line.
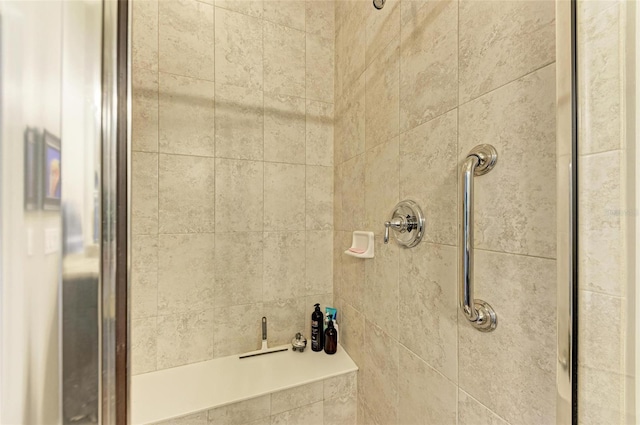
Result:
{"points": [[32, 169], [51, 171]]}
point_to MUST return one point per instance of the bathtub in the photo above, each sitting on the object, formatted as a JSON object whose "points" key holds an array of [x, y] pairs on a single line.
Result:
{"points": [[201, 390]]}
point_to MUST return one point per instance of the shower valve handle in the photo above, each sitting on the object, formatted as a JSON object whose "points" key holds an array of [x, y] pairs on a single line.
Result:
{"points": [[397, 223]]}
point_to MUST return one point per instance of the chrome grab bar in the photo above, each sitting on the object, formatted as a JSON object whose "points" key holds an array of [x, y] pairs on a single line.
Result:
{"points": [[479, 161]]}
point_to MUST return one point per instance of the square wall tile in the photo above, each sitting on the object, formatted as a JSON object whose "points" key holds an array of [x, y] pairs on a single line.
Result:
{"points": [[471, 412], [319, 68], [185, 273], [238, 49], [144, 193], [284, 129], [381, 356], [292, 398], [288, 13], [319, 133], [186, 115], [429, 63], [143, 345], [237, 329], [144, 110], [319, 198], [241, 413], [310, 414], [319, 262], [187, 202], [144, 40], [238, 263], [239, 123], [350, 121], [186, 38], [515, 204], [320, 18], [285, 318], [246, 7], [382, 26], [284, 60], [428, 153], [239, 195], [144, 276], [353, 194], [526, 43], [381, 186], [284, 197], [381, 296], [382, 96], [284, 265], [350, 56], [185, 338]]}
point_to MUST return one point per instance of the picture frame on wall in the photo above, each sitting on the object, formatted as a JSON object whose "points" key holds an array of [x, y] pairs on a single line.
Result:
{"points": [[32, 169], [51, 181]]}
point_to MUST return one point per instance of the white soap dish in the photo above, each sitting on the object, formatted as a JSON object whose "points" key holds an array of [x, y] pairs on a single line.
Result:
{"points": [[361, 245]]}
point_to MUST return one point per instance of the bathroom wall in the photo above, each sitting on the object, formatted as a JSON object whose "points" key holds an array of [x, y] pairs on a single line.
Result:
{"points": [[606, 213], [418, 85], [232, 175]]}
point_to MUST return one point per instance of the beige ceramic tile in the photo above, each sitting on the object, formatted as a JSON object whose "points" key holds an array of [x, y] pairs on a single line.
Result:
{"points": [[186, 38], [350, 54], [350, 121], [194, 419], [241, 413], [238, 49], [285, 319], [144, 276], [144, 193], [239, 123], [186, 115], [238, 264], [319, 133], [341, 386], [383, 26], [288, 13], [337, 198], [428, 153], [429, 63], [526, 42], [601, 342], [340, 411], [518, 383], [143, 345], [381, 293], [382, 96], [246, 7], [299, 396], [353, 276], [471, 412], [144, 110], [319, 198], [284, 129], [602, 212], [237, 329], [179, 291], [380, 377], [186, 194], [428, 305], [381, 185], [353, 197], [144, 34], [352, 336], [239, 195], [284, 265], [320, 18], [319, 68], [284, 60], [284, 197], [425, 396], [515, 203], [601, 397], [310, 414], [319, 264], [599, 61], [185, 338]]}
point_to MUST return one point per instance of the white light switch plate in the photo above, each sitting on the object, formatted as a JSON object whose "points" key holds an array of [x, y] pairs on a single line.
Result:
{"points": [[51, 241]]}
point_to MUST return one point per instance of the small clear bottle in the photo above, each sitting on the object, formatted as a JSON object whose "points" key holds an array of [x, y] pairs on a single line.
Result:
{"points": [[330, 338]]}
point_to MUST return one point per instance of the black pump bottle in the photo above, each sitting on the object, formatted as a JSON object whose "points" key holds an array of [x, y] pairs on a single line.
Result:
{"points": [[330, 338], [317, 334]]}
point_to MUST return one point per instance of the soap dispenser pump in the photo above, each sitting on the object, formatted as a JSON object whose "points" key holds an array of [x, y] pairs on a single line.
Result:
{"points": [[330, 338], [317, 325]]}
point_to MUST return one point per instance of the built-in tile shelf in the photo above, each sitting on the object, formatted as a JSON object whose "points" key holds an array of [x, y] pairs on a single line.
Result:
{"points": [[180, 391]]}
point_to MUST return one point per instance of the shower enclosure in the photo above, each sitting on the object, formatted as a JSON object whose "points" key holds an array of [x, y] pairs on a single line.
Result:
{"points": [[214, 159]]}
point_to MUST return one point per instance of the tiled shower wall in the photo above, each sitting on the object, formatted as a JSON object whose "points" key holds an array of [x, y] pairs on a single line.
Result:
{"points": [[418, 84], [606, 214], [232, 174]]}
